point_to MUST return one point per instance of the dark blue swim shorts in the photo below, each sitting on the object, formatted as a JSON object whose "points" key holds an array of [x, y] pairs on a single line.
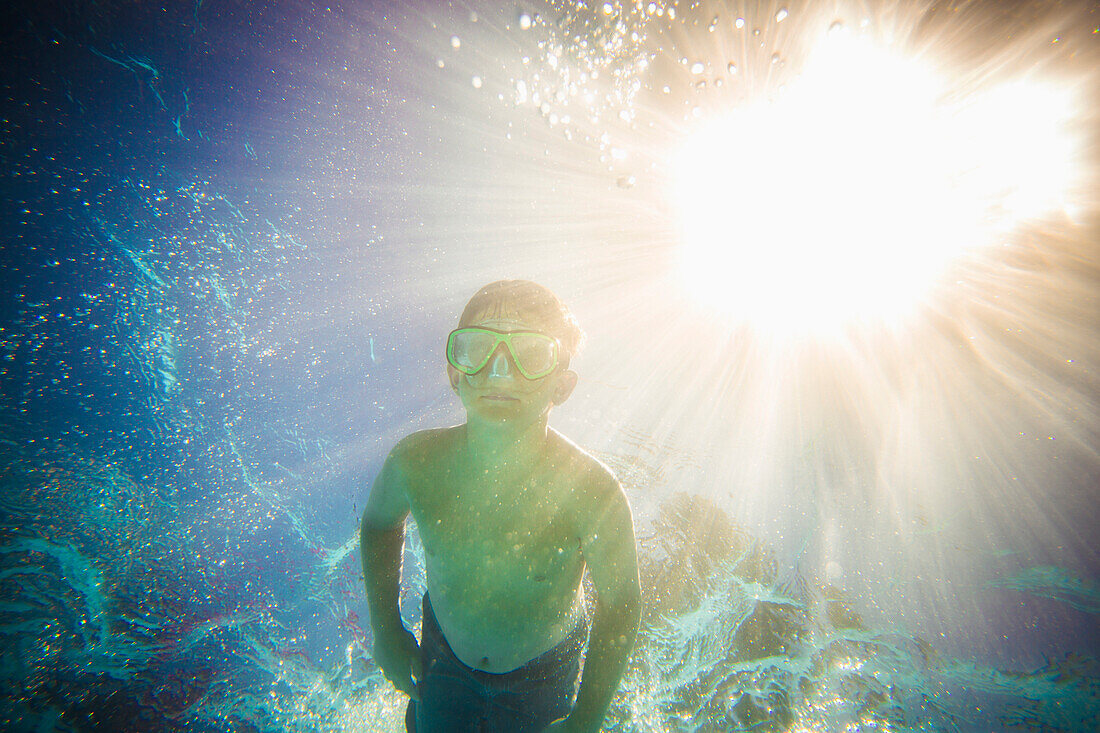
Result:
{"points": [[455, 698]]}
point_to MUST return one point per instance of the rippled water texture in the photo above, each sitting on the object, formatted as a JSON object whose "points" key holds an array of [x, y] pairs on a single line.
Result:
{"points": [[235, 236]]}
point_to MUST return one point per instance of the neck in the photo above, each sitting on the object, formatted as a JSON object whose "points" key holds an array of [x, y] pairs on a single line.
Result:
{"points": [[501, 444]]}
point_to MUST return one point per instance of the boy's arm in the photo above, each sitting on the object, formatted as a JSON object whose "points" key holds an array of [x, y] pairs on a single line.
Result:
{"points": [[610, 553], [381, 542]]}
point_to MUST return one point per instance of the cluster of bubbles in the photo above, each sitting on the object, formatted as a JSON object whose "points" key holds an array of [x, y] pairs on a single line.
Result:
{"points": [[598, 74]]}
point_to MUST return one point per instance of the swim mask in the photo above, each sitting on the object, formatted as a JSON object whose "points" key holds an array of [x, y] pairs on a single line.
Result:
{"points": [[470, 349]]}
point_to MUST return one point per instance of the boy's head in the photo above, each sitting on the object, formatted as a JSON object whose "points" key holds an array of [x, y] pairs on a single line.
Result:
{"points": [[538, 309], [530, 302]]}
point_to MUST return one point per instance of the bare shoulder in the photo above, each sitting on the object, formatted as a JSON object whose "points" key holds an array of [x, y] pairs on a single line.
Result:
{"points": [[423, 448], [402, 474], [594, 484]]}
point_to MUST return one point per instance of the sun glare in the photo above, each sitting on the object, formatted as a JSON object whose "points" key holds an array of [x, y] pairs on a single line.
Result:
{"points": [[843, 198]]}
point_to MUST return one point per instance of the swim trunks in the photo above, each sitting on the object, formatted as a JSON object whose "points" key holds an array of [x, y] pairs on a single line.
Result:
{"points": [[455, 698]]}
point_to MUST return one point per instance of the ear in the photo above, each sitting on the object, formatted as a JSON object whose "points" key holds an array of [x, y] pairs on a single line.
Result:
{"points": [[452, 376], [567, 382]]}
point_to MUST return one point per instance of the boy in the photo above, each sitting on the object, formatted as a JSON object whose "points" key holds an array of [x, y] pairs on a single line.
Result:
{"points": [[510, 514]]}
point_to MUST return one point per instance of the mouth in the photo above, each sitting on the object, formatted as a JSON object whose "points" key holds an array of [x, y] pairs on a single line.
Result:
{"points": [[499, 398]]}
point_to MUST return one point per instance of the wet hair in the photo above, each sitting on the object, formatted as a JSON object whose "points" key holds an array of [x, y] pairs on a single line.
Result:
{"points": [[530, 302]]}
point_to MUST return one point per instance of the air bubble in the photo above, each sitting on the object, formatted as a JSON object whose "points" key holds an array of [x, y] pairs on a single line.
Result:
{"points": [[455, 42], [781, 15], [697, 67], [731, 67], [524, 22], [476, 81], [739, 23]]}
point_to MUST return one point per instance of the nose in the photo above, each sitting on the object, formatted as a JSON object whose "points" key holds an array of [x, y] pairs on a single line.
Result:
{"points": [[499, 366]]}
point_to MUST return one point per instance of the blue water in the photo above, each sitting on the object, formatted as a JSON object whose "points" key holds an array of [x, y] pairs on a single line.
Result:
{"points": [[234, 237]]}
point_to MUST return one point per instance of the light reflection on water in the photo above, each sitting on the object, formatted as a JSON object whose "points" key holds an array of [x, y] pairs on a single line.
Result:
{"points": [[239, 239]]}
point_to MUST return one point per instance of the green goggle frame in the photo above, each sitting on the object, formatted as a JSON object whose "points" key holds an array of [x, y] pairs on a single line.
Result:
{"points": [[534, 354]]}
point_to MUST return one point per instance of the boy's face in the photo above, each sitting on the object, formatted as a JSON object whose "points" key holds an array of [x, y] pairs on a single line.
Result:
{"points": [[499, 392]]}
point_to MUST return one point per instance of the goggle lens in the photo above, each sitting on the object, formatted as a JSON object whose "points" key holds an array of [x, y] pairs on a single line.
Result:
{"points": [[536, 353]]}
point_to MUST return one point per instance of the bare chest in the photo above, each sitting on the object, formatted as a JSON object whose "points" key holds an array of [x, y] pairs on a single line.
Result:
{"points": [[503, 570], [492, 532]]}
